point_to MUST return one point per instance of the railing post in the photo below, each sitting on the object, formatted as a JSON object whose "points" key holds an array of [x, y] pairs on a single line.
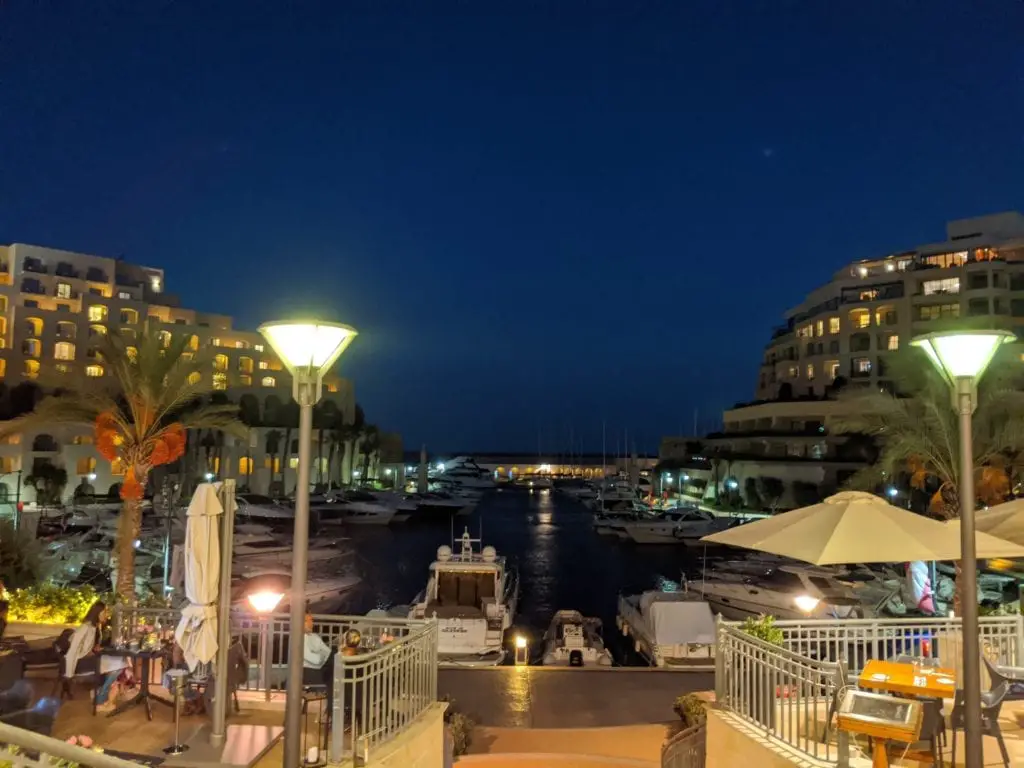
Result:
{"points": [[842, 738], [338, 710], [720, 688]]}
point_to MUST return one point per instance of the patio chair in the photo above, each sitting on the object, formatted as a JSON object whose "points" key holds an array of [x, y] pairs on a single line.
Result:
{"points": [[92, 680], [1012, 676], [928, 747], [991, 704]]}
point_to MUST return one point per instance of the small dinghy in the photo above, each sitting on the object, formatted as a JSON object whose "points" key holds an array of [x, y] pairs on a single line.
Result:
{"points": [[573, 640]]}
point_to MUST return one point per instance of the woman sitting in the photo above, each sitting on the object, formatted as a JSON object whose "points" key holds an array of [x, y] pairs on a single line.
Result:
{"points": [[84, 657]]}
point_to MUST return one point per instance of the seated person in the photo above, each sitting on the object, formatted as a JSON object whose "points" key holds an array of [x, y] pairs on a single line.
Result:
{"points": [[83, 655], [317, 661]]}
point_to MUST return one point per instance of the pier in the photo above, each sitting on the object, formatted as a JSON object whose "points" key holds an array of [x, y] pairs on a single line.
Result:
{"points": [[552, 697]]}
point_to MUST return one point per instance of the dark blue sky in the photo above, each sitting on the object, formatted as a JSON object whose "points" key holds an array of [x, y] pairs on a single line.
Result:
{"points": [[540, 215]]}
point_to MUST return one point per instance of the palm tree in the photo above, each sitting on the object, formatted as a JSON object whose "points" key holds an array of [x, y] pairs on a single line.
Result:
{"points": [[140, 413], [272, 446], [370, 443], [917, 434]]}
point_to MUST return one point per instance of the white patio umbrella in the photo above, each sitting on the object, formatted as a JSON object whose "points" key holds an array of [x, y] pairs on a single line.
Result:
{"points": [[1004, 520], [854, 527], [197, 631]]}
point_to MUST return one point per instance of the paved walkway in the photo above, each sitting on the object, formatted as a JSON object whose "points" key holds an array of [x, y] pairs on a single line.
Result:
{"points": [[538, 697]]}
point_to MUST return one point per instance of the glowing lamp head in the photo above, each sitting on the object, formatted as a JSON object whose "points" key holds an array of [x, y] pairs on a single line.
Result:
{"points": [[209, 477], [264, 602], [91, 477], [308, 346], [892, 492], [962, 354], [520, 641], [806, 603]]}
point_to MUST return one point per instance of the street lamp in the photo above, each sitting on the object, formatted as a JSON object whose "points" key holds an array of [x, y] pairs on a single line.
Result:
{"points": [[962, 356], [307, 349]]}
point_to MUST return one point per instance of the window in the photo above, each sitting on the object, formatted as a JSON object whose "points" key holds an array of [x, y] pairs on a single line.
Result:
{"points": [[268, 381], [214, 342], [3, 368], [124, 295], [132, 353], [978, 307], [220, 363], [245, 364], [63, 290], [85, 465], [33, 326], [810, 371], [117, 467], [832, 368], [977, 281], [81, 440], [293, 462], [63, 307], [220, 381], [245, 380], [258, 347], [805, 332], [860, 342], [332, 386], [31, 369], [792, 372], [66, 330], [272, 463], [948, 285], [193, 342], [97, 313], [31, 304], [94, 371], [194, 378], [241, 345], [95, 291], [128, 333], [833, 347], [946, 260], [63, 368], [188, 356], [862, 366], [938, 311], [860, 318], [97, 330], [819, 328], [129, 316], [32, 348], [1017, 307], [3, 303], [64, 350], [245, 465], [892, 343], [885, 316]]}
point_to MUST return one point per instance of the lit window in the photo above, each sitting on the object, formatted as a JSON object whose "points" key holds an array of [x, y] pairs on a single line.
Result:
{"points": [[34, 326], [241, 345], [85, 465], [948, 285], [63, 368], [258, 347], [245, 364], [3, 305], [3, 368], [31, 369], [214, 342], [810, 371], [832, 368], [132, 353], [893, 343], [268, 381], [805, 332], [860, 318], [332, 386], [272, 463], [128, 333], [95, 371], [194, 378], [165, 339], [124, 295], [97, 313], [937, 311], [220, 381], [293, 462], [117, 467], [82, 440], [31, 347], [245, 465], [63, 290], [129, 316], [64, 350], [245, 380], [792, 372], [193, 342], [264, 365], [97, 330], [220, 363], [819, 328], [188, 356], [833, 325], [862, 365], [946, 260]]}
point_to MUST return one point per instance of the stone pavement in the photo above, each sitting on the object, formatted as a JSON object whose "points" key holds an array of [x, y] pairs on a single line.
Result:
{"points": [[540, 697]]}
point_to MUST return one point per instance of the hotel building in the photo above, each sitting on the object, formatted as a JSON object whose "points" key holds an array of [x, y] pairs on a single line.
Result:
{"points": [[55, 305]]}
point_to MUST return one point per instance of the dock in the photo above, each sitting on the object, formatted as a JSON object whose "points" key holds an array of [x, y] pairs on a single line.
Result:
{"points": [[553, 697]]}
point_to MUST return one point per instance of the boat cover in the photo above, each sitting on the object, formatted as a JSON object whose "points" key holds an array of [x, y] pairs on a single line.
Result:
{"points": [[676, 618]]}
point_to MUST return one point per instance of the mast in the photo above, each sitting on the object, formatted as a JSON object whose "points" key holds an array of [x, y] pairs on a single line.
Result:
{"points": [[603, 469]]}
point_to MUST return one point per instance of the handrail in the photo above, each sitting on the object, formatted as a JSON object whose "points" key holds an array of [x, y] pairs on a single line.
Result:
{"points": [[47, 746], [687, 749]]}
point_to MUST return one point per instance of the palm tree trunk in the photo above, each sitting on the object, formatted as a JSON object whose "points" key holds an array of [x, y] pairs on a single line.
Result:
{"points": [[347, 460], [286, 452], [332, 449], [319, 457], [130, 525]]}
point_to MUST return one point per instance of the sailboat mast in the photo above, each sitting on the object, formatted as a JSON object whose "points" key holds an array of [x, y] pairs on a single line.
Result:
{"points": [[603, 462]]}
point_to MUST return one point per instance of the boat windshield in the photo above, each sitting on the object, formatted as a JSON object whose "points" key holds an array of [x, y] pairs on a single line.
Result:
{"points": [[462, 591]]}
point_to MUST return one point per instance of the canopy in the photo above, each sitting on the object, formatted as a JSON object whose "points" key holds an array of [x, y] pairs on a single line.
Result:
{"points": [[676, 618], [197, 631], [854, 527], [1003, 520]]}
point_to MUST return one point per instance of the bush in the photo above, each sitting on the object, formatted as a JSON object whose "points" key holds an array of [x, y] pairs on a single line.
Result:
{"points": [[461, 728], [20, 561], [51, 604], [763, 628], [692, 709]]}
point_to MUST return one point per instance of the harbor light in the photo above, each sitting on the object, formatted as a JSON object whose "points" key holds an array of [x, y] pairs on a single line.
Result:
{"points": [[806, 603], [961, 357], [668, 478], [308, 349], [892, 492], [522, 650], [732, 485], [265, 601], [387, 471]]}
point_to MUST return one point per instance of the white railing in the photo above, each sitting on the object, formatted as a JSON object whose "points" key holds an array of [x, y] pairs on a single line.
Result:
{"points": [[21, 748], [379, 694], [786, 695], [687, 749], [856, 641]]}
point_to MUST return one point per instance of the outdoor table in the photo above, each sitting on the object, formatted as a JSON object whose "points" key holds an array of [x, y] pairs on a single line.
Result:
{"points": [[144, 696], [905, 680]]}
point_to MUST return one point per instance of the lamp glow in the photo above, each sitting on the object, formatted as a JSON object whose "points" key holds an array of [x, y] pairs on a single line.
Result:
{"points": [[960, 354], [892, 492], [308, 345], [264, 602], [520, 641], [806, 603], [91, 476], [209, 477]]}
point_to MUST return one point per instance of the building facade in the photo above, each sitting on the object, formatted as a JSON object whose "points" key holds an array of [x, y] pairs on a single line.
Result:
{"points": [[55, 306]]}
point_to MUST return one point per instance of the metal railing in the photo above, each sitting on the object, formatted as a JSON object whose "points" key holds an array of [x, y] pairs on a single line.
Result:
{"points": [[786, 695], [379, 694], [856, 641], [22, 748], [687, 749]]}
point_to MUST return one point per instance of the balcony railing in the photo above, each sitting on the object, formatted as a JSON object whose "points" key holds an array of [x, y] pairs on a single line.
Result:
{"points": [[686, 749]]}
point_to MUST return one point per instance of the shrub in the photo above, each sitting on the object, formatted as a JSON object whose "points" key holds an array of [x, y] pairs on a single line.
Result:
{"points": [[20, 562], [692, 709], [461, 727], [51, 604], [763, 628]]}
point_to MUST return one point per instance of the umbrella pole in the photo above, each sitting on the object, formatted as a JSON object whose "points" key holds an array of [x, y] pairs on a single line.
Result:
{"points": [[220, 680]]}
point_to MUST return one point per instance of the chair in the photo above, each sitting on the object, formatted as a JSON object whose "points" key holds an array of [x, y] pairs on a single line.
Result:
{"points": [[991, 704], [238, 675], [92, 680], [1012, 676], [928, 746]]}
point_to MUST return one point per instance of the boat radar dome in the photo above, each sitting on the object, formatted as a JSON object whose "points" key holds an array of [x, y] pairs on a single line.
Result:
{"points": [[444, 553], [489, 554]]}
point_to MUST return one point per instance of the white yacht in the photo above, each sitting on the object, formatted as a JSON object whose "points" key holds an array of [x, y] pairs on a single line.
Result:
{"points": [[255, 553], [574, 640], [463, 472], [673, 630], [785, 592], [253, 506], [683, 525], [473, 596], [350, 508], [581, 490]]}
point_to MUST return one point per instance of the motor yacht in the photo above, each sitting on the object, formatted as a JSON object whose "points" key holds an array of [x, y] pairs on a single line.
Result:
{"points": [[438, 505], [463, 472], [257, 508], [350, 508], [682, 525], [473, 596], [254, 553], [574, 640]]}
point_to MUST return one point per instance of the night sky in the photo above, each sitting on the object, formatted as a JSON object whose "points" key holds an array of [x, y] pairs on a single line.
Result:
{"points": [[540, 215]]}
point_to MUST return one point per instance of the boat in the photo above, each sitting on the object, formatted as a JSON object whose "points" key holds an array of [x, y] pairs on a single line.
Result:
{"points": [[473, 596], [463, 472], [683, 525], [253, 506], [350, 508], [438, 505], [612, 520], [254, 553], [574, 640], [671, 630]]}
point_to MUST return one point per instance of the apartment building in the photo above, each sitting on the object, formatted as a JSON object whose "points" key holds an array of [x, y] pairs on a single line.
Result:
{"points": [[849, 327], [55, 305]]}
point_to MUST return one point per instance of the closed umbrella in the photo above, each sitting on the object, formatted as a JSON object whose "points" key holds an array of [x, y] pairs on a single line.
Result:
{"points": [[854, 527], [197, 631]]}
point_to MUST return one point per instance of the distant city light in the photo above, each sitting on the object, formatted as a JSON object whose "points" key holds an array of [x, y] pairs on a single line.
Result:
{"points": [[440, 466], [685, 478], [732, 484], [387, 471]]}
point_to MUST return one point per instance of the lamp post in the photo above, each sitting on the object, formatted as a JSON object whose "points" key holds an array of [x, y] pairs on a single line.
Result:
{"points": [[307, 349], [962, 356]]}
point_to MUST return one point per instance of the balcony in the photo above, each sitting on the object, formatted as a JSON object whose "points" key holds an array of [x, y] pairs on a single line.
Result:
{"points": [[66, 270], [33, 265]]}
